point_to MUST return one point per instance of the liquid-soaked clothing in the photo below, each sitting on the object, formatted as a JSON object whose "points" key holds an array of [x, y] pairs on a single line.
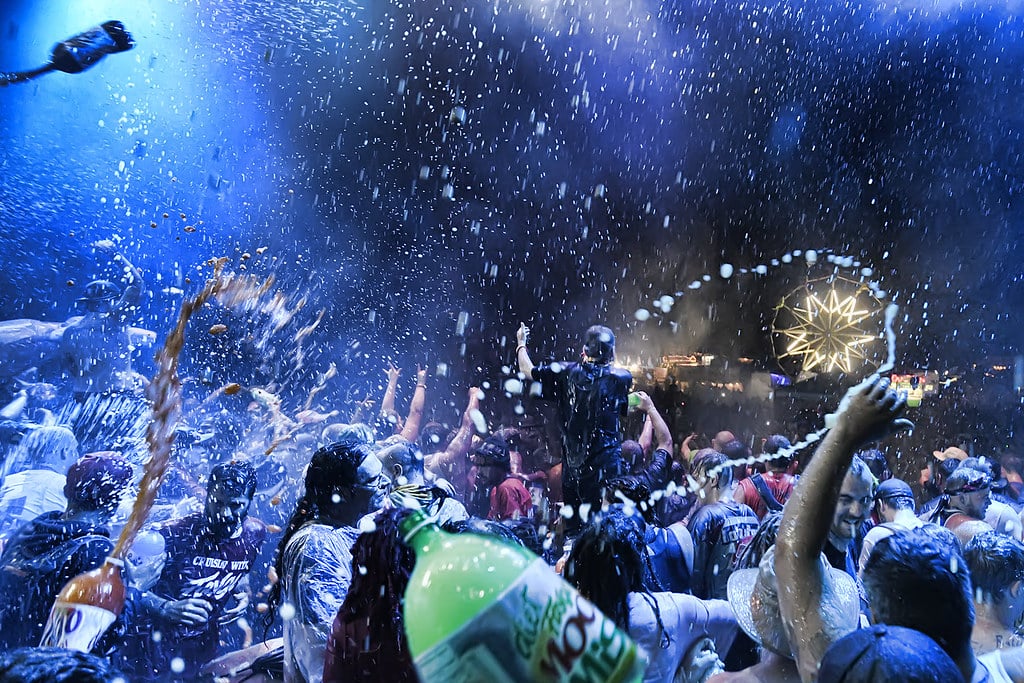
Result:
{"points": [[591, 399], [717, 530], [201, 566]]}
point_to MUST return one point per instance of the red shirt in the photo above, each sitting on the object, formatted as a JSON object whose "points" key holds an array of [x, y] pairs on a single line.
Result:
{"points": [[780, 484], [510, 500]]}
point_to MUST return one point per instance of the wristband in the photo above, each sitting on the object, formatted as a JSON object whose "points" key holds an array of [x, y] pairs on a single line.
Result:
{"points": [[518, 348], [422, 385]]}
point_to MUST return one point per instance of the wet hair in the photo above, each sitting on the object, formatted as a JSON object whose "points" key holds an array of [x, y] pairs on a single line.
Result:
{"points": [[919, 579], [236, 478], [996, 561], [484, 527], [54, 665], [434, 437], [877, 463], [347, 434], [526, 532], [599, 344], [983, 464], [52, 446], [331, 471], [632, 453], [749, 555], [373, 645], [403, 452], [859, 468], [609, 561], [772, 445], [636, 491], [707, 460]]}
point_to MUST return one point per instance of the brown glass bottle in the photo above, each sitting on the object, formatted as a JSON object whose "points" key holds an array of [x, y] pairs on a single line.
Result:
{"points": [[85, 608]]}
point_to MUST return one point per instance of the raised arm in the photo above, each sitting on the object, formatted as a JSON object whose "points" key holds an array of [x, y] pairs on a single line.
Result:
{"points": [[660, 468], [131, 278], [387, 405], [522, 355], [870, 414], [459, 446], [411, 430], [662, 436]]}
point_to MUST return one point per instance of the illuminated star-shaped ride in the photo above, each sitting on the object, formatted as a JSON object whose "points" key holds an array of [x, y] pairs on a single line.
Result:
{"points": [[827, 334]]}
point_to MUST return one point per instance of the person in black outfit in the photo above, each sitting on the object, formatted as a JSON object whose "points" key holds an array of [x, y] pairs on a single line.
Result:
{"points": [[591, 396]]}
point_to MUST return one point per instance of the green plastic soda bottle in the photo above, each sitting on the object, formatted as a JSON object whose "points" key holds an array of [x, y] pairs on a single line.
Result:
{"points": [[478, 609]]}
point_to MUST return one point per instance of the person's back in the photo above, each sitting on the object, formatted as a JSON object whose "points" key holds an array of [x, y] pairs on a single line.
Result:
{"points": [[42, 556], [28, 494], [767, 492], [717, 531]]}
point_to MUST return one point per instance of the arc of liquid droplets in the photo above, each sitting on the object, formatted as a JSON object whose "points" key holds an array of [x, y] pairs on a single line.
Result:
{"points": [[830, 420], [165, 390]]}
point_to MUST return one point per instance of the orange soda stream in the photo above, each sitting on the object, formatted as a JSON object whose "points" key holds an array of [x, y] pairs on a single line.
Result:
{"points": [[90, 603]]}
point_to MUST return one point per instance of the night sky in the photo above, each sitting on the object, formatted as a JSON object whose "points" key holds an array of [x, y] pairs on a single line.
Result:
{"points": [[562, 163]]}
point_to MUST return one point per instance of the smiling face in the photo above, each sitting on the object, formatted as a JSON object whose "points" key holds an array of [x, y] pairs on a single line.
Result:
{"points": [[855, 498]]}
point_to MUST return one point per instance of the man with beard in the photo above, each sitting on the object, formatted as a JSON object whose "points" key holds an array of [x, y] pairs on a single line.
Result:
{"points": [[855, 499], [209, 555]]}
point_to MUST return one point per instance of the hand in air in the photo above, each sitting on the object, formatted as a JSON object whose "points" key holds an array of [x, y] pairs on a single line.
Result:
{"points": [[873, 412], [522, 334], [392, 372]]}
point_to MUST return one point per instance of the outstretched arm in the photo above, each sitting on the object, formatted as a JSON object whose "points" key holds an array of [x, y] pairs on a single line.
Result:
{"points": [[871, 414], [411, 430], [522, 355]]}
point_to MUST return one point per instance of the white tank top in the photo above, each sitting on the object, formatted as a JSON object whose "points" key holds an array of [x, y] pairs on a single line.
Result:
{"points": [[996, 671]]}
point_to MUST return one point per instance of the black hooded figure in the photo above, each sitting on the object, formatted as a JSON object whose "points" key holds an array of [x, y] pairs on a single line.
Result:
{"points": [[592, 396]]}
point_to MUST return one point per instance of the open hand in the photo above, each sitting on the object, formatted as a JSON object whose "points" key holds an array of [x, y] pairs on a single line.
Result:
{"points": [[873, 412], [522, 334]]}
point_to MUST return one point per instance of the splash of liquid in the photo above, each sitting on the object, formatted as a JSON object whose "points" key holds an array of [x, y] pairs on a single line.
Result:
{"points": [[164, 392]]}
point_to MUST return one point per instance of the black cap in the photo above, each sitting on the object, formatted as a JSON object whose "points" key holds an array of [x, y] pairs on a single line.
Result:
{"points": [[887, 654], [100, 290], [893, 488]]}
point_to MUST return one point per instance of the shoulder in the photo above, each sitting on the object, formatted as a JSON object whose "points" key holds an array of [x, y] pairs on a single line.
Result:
{"points": [[623, 374]]}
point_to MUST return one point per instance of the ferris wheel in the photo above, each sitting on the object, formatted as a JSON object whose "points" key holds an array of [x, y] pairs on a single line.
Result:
{"points": [[827, 325]]}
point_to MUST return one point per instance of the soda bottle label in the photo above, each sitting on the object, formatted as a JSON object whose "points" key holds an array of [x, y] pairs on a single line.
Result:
{"points": [[76, 627], [539, 629]]}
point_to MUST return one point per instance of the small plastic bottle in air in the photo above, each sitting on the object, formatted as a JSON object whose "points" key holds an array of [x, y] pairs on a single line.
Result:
{"points": [[79, 52], [477, 608]]}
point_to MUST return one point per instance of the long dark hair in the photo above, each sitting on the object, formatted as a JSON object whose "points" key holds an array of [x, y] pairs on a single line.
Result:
{"points": [[331, 471], [609, 561], [367, 642]]}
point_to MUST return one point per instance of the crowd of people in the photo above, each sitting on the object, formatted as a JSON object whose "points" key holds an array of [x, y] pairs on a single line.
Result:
{"points": [[278, 534]]}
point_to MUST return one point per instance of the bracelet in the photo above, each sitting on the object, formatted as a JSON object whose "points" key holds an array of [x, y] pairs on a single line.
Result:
{"points": [[422, 385], [520, 347]]}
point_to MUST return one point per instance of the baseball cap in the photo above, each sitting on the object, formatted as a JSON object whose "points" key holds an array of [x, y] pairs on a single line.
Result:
{"points": [[893, 488], [887, 654], [97, 480], [951, 452]]}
